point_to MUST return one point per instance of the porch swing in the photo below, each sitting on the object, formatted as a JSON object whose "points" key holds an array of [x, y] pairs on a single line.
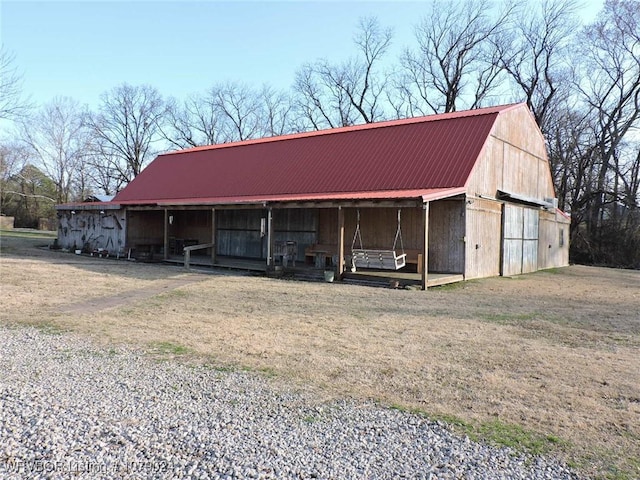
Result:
{"points": [[375, 258]]}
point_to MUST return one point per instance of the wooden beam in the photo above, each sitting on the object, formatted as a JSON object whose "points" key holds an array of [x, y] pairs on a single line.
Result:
{"points": [[349, 203], [213, 236], [269, 237], [400, 203], [340, 265], [166, 234], [425, 251]]}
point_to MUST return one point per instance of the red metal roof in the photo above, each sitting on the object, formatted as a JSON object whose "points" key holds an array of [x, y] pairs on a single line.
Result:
{"points": [[415, 155]]}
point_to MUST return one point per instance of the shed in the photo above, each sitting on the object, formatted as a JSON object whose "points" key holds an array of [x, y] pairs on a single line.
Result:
{"points": [[470, 195]]}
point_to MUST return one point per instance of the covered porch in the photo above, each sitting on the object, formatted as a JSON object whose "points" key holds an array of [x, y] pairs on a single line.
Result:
{"points": [[398, 279], [305, 239]]}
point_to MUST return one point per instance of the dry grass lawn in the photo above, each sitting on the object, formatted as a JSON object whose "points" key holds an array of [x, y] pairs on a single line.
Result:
{"points": [[548, 361]]}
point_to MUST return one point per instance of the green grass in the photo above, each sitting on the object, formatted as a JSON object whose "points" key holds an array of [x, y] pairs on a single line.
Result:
{"points": [[516, 437], [12, 240], [453, 287], [267, 372], [495, 432], [553, 271], [28, 234], [49, 328], [170, 349]]}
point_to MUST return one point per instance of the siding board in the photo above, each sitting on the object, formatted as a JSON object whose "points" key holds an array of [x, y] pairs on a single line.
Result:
{"points": [[446, 236], [483, 238], [520, 240]]}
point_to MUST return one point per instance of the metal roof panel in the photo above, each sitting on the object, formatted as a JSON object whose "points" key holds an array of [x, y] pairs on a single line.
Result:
{"points": [[433, 152]]}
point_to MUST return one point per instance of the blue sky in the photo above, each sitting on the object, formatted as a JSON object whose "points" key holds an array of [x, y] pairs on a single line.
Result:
{"points": [[81, 49]]}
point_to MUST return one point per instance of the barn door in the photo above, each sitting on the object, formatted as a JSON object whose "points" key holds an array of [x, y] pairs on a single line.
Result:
{"points": [[519, 240]]}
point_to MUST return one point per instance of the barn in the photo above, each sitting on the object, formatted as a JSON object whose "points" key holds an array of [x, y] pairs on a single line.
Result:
{"points": [[433, 199]]}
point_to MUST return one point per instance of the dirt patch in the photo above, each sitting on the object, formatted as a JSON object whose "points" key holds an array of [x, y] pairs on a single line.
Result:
{"points": [[129, 297], [556, 353]]}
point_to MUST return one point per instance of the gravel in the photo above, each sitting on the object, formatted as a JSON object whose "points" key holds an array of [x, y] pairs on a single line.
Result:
{"points": [[70, 409]]}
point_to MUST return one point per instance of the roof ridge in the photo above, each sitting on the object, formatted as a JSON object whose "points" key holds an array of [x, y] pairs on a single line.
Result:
{"points": [[497, 109]]}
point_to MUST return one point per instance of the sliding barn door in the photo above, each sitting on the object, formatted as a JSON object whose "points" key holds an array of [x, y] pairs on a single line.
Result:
{"points": [[519, 240]]}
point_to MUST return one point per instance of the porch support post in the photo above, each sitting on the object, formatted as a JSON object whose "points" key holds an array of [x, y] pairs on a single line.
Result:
{"points": [[166, 234], [213, 236], [340, 265], [269, 237], [425, 251]]}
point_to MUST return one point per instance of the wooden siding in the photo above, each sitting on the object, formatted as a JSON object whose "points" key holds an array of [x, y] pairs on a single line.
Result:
{"points": [[512, 240], [446, 236], [378, 227], [514, 159], [483, 238], [530, 240], [488, 172], [145, 228], [191, 224], [299, 225], [328, 228], [98, 230], [520, 240], [553, 244], [239, 233], [518, 127]]}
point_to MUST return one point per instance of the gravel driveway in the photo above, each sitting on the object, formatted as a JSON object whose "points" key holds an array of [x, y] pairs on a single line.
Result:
{"points": [[69, 409]]}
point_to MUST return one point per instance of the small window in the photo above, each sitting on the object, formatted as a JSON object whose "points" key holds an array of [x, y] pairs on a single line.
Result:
{"points": [[562, 237]]}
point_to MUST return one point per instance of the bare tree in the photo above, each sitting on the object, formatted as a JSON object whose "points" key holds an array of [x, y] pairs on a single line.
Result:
{"points": [[277, 109], [454, 64], [608, 86], [57, 141], [12, 105], [103, 167], [535, 53], [332, 95], [194, 122], [320, 104], [240, 110], [126, 127]]}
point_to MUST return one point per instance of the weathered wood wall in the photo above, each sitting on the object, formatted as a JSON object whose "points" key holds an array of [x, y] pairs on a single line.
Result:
{"points": [[553, 244], [446, 236], [145, 229], [514, 159], [299, 225], [97, 230], [191, 224], [483, 238], [239, 233], [378, 227], [328, 227], [520, 240]]}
